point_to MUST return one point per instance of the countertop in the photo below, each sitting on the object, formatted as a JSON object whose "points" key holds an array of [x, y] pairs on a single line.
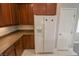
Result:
{"points": [[10, 39]]}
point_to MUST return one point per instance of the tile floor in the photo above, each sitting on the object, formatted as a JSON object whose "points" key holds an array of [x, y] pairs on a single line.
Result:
{"points": [[31, 52]]}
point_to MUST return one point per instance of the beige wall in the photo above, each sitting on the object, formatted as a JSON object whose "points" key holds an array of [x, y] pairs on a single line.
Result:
{"points": [[9, 29]]}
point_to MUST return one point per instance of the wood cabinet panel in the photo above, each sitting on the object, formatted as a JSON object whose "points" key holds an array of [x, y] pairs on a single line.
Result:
{"points": [[28, 42], [44, 8], [31, 15], [14, 20], [51, 8], [7, 14], [39, 8], [32, 42], [19, 47], [25, 42], [5, 8], [25, 14], [9, 52]]}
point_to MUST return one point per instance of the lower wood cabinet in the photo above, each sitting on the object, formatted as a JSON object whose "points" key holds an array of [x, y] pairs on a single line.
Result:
{"points": [[25, 42], [19, 47], [28, 41], [9, 52]]}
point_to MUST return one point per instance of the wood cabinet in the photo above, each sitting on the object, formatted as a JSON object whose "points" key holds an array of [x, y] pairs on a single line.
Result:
{"points": [[28, 41], [25, 42], [25, 14], [7, 14], [13, 16], [9, 52], [15, 50], [51, 8], [19, 47], [44, 8]]}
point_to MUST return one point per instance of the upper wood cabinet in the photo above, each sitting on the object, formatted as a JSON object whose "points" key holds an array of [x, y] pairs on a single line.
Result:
{"points": [[39, 8], [7, 14], [51, 8], [44, 8], [25, 14]]}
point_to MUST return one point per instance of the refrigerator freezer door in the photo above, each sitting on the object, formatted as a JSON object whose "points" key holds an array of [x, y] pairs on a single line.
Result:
{"points": [[38, 33], [49, 33]]}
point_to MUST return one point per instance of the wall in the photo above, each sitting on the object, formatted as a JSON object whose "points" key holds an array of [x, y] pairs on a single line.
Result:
{"points": [[6, 30], [25, 27]]}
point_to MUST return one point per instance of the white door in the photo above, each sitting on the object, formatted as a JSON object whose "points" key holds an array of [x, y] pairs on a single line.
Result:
{"points": [[38, 27], [66, 27], [49, 33]]}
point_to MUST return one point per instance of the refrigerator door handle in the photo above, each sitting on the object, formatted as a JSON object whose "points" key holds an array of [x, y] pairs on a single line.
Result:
{"points": [[39, 29]]}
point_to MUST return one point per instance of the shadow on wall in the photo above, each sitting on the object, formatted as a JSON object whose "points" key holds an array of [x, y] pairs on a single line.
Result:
{"points": [[76, 48], [76, 44]]}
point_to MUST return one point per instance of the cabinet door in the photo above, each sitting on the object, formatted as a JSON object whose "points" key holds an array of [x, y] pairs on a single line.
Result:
{"points": [[1, 18], [44, 8], [7, 14], [25, 14], [31, 15], [39, 8], [9, 52], [19, 47], [51, 8], [13, 10], [32, 45], [28, 42]]}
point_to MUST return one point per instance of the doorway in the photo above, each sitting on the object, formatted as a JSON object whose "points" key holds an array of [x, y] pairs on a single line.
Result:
{"points": [[66, 28]]}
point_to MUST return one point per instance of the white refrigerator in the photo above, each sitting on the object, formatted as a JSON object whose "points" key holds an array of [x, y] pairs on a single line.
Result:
{"points": [[45, 33]]}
